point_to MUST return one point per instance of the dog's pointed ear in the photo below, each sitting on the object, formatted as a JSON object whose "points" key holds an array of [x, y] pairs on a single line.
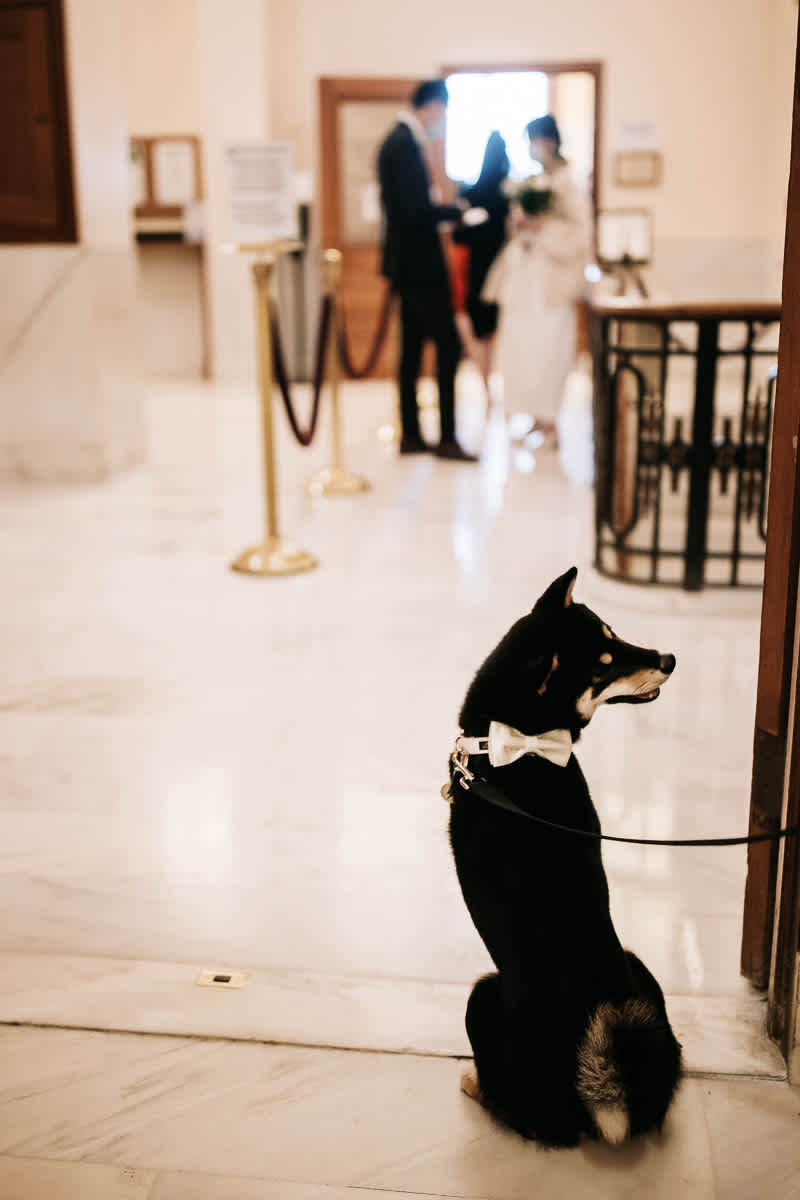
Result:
{"points": [[559, 594]]}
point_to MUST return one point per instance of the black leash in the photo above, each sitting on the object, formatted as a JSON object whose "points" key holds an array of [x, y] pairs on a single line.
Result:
{"points": [[480, 787]]}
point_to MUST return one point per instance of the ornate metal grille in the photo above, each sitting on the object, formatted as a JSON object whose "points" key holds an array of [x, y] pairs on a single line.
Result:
{"points": [[683, 416]]}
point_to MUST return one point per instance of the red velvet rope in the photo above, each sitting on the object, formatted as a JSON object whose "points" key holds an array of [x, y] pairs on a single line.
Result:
{"points": [[380, 337], [304, 436]]}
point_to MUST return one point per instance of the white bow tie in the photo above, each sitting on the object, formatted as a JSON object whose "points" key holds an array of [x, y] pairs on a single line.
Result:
{"points": [[505, 745]]}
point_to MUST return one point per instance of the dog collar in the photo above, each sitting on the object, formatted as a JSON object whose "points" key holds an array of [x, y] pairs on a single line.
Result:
{"points": [[505, 745]]}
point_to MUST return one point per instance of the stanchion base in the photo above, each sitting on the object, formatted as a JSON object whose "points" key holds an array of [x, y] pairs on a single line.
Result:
{"points": [[274, 557], [335, 481]]}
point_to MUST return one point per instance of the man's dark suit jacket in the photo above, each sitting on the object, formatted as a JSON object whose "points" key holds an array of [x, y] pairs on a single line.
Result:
{"points": [[412, 252]]}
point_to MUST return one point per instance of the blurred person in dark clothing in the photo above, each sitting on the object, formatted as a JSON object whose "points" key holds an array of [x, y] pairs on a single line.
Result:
{"points": [[414, 262], [478, 325]]}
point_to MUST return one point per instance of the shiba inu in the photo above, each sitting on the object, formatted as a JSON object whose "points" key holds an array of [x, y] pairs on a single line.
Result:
{"points": [[570, 1035]]}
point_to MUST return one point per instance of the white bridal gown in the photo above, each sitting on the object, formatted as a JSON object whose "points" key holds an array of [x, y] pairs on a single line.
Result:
{"points": [[536, 279]]}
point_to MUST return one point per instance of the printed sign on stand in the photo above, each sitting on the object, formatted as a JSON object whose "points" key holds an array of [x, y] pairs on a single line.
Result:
{"points": [[261, 192]]}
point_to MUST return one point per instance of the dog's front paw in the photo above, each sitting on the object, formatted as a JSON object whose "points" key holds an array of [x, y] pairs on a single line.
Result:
{"points": [[470, 1085]]}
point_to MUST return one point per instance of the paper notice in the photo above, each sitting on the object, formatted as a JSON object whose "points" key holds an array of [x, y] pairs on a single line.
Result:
{"points": [[261, 192]]}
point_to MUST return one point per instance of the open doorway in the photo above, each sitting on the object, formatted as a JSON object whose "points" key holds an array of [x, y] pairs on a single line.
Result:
{"points": [[506, 98], [481, 101], [355, 113]]}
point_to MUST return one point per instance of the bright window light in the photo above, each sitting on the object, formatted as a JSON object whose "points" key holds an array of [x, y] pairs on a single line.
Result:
{"points": [[506, 101]]}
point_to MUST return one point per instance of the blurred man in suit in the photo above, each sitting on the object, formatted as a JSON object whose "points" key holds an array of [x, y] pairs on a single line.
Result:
{"points": [[414, 262]]}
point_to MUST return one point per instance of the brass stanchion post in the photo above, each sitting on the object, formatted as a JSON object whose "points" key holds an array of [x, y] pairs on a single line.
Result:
{"points": [[274, 556], [392, 431], [335, 480]]}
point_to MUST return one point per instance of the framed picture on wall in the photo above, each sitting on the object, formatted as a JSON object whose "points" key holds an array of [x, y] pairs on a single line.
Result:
{"points": [[165, 173], [175, 170], [624, 236], [637, 168]]}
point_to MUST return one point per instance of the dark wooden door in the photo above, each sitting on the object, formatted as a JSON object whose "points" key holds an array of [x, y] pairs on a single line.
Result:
{"points": [[769, 871], [36, 202]]}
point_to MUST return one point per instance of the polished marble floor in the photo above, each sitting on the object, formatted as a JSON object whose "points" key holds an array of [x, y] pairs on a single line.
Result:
{"points": [[205, 770], [203, 767], [96, 1116]]}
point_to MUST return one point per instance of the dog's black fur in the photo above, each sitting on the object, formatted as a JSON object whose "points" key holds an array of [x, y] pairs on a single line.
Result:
{"points": [[571, 1035]]}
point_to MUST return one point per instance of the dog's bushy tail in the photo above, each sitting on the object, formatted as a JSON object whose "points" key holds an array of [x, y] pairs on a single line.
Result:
{"points": [[628, 1068]]}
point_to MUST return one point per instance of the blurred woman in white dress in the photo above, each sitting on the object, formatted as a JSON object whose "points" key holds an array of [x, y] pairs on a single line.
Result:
{"points": [[536, 280]]}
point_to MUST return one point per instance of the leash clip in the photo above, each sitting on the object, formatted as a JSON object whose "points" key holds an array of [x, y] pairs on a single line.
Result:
{"points": [[460, 763]]}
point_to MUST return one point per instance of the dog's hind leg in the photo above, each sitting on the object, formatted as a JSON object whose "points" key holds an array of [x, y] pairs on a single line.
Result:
{"points": [[645, 985], [541, 1097], [484, 1021], [524, 1068]]}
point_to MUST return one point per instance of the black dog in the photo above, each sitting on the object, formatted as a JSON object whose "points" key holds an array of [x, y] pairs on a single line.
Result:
{"points": [[571, 1035]]}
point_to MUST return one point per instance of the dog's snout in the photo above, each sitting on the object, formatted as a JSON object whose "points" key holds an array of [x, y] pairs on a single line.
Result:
{"points": [[667, 663]]}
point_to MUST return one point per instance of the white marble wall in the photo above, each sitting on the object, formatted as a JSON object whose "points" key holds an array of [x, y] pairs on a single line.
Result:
{"points": [[170, 308], [202, 66], [234, 74], [71, 406], [723, 268]]}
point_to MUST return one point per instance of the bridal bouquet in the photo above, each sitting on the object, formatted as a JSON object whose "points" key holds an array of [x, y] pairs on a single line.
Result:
{"points": [[533, 195]]}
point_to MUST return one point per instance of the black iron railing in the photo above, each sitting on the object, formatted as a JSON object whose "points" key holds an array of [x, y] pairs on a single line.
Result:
{"points": [[683, 416]]}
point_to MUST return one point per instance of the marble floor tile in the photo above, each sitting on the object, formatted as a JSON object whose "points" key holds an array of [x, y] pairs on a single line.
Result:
{"points": [[754, 1132], [199, 768], [385, 1122], [270, 1112], [502, 1166], [234, 1121], [173, 1185], [37, 1179]]}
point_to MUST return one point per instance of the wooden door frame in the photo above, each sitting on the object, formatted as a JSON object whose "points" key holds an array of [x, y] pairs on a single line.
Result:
{"points": [[782, 1008], [772, 894], [66, 230], [333, 91], [554, 67]]}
